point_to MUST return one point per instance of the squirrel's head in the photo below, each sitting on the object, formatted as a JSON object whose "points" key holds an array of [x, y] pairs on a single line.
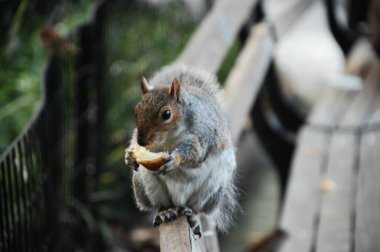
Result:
{"points": [[159, 116]]}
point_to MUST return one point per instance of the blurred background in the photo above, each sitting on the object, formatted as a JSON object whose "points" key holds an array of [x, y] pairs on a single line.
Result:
{"points": [[69, 81]]}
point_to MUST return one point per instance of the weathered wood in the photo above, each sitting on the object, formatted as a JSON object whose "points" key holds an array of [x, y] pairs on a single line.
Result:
{"points": [[333, 107], [360, 106], [330, 110], [335, 226], [286, 15], [209, 234], [177, 236], [346, 216], [245, 79], [361, 58], [374, 77], [367, 221], [302, 199], [209, 45], [367, 218], [373, 120]]}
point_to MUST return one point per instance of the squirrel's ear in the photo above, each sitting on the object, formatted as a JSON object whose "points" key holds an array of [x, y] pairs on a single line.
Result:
{"points": [[145, 87], [175, 89]]}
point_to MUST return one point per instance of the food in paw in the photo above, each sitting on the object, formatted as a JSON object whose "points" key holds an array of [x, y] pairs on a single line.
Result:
{"points": [[150, 160]]}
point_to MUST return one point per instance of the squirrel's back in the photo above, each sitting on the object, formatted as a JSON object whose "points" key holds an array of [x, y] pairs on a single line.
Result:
{"points": [[188, 76]]}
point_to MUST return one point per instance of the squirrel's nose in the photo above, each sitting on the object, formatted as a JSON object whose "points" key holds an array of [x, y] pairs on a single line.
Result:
{"points": [[141, 141]]}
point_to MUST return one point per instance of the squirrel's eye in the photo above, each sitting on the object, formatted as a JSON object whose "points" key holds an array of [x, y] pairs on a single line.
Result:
{"points": [[166, 115]]}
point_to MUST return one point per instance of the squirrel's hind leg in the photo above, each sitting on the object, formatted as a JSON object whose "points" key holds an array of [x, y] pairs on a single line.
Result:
{"points": [[191, 220], [140, 194]]}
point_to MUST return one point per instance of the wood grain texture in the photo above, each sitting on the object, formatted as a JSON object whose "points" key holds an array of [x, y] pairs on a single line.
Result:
{"points": [[335, 222], [215, 35], [177, 236], [302, 198], [246, 78], [367, 221]]}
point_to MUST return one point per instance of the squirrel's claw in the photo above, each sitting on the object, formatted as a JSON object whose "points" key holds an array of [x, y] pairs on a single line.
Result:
{"points": [[165, 216], [168, 166], [130, 162], [191, 220]]}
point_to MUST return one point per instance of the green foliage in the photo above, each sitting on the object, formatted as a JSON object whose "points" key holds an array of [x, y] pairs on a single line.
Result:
{"points": [[22, 62], [140, 40], [228, 62], [20, 72]]}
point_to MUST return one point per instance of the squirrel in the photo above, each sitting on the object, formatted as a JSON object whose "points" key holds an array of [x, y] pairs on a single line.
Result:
{"points": [[181, 112]]}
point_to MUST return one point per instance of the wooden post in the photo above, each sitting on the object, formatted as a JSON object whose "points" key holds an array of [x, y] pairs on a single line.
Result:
{"points": [[209, 234], [177, 236]]}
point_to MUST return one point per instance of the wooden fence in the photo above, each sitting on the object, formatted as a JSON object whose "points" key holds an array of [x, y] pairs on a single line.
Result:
{"points": [[43, 173]]}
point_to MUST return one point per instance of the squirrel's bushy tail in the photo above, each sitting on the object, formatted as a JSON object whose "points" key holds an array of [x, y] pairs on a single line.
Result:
{"points": [[224, 216], [190, 76]]}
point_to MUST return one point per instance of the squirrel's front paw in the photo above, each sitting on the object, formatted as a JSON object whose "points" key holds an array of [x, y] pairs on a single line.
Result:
{"points": [[129, 161], [166, 168], [170, 165]]}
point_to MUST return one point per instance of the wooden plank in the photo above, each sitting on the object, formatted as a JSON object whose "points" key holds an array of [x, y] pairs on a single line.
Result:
{"points": [[284, 16], [302, 198], [361, 58], [209, 45], [332, 108], [367, 221], [374, 77], [360, 107], [245, 79], [335, 225], [373, 119], [329, 111]]}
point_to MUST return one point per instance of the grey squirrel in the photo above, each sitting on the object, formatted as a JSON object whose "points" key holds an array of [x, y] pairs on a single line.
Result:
{"points": [[181, 112]]}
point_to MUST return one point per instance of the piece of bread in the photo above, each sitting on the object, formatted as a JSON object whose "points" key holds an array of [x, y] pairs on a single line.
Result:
{"points": [[150, 160]]}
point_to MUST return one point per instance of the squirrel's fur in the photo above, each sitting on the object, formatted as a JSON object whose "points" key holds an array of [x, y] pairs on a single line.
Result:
{"points": [[188, 76], [201, 174]]}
